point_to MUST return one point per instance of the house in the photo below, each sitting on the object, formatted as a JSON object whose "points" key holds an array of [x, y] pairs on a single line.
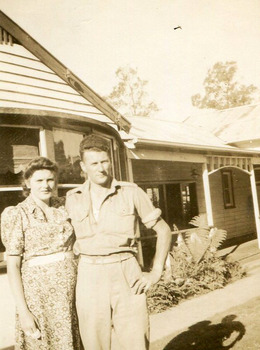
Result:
{"points": [[238, 127], [188, 170], [46, 110], [185, 168]]}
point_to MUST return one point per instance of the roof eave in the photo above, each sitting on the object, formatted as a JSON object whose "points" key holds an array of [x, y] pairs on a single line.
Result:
{"points": [[141, 142], [4, 111], [238, 142]]}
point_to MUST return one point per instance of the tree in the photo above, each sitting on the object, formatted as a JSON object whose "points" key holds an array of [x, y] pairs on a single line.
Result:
{"points": [[129, 95], [221, 89]]}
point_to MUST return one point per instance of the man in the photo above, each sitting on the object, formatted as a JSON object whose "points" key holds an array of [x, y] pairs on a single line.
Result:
{"points": [[111, 287]]}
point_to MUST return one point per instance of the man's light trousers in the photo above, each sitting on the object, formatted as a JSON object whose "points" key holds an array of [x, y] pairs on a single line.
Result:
{"points": [[106, 303]]}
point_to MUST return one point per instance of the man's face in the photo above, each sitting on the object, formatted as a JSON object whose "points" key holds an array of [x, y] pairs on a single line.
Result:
{"points": [[98, 167]]}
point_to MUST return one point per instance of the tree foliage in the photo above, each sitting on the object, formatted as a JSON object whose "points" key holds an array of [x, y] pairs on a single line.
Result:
{"points": [[129, 95], [221, 89]]}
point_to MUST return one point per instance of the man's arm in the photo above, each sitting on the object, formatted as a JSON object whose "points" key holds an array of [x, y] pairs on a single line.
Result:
{"points": [[162, 247]]}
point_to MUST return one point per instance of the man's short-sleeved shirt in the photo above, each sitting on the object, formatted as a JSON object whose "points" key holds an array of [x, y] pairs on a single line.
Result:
{"points": [[117, 223]]}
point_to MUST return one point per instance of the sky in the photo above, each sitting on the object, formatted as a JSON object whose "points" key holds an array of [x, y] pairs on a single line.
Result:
{"points": [[95, 37]]}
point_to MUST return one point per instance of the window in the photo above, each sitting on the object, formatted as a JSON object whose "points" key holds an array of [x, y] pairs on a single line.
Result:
{"points": [[185, 192], [154, 194], [66, 150], [178, 202], [18, 145], [228, 192]]}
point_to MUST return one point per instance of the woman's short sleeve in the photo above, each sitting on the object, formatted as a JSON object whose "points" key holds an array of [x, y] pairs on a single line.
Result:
{"points": [[12, 231]]}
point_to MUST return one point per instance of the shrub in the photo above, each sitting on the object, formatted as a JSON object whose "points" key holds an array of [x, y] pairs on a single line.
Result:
{"points": [[193, 267]]}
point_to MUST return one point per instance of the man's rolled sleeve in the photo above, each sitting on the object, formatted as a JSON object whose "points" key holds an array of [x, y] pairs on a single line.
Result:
{"points": [[150, 220], [148, 214]]}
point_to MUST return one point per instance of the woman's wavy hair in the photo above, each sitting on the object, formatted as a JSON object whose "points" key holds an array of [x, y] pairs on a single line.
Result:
{"points": [[38, 163]]}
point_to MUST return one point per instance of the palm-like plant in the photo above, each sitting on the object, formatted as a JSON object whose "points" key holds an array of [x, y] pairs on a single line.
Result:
{"points": [[195, 250], [203, 240], [192, 267]]}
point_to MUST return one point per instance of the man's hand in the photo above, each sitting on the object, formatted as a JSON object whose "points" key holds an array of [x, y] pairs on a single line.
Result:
{"points": [[146, 281]]}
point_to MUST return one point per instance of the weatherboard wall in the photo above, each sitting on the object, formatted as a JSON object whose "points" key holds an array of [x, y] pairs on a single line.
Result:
{"points": [[238, 220], [25, 82]]}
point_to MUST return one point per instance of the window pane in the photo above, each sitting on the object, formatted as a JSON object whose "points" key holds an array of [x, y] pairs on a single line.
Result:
{"points": [[154, 195], [66, 146], [225, 178], [227, 197], [17, 147], [228, 194], [186, 204]]}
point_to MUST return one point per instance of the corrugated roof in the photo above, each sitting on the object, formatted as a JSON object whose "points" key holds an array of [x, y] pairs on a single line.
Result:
{"points": [[144, 128], [230, 125]]}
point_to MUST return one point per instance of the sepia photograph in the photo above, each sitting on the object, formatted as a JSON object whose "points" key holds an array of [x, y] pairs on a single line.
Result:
{"points": [[129, 175]]}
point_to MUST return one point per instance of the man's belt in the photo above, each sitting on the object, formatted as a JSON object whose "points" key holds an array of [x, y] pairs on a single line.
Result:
{"points": [[106, 259]]}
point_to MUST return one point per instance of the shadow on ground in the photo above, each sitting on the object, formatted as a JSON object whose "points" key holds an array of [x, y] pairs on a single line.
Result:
{"points": [[207, 336]]}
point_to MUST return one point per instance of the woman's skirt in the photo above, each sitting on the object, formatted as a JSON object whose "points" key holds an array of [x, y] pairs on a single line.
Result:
{"points": [[50, 296]]}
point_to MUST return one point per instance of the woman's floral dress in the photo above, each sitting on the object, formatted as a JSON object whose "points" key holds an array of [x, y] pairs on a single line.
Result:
{"points": [[49, 287]]}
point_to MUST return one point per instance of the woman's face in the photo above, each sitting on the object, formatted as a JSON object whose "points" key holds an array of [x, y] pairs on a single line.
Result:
{"points": [[42, 184]]}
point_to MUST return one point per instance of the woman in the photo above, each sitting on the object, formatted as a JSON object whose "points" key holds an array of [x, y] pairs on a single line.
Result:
{"points": [[42, 271]]}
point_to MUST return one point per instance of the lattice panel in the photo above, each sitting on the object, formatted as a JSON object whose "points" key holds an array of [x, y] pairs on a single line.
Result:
{"points": [[216, 162]]}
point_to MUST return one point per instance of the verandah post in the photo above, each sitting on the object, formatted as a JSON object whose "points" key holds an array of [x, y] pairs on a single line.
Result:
{"points": [[255, 202], [205, 177]]}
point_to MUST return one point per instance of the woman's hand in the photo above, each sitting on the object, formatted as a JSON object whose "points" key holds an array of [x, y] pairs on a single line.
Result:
{"points": [[28, 322]]}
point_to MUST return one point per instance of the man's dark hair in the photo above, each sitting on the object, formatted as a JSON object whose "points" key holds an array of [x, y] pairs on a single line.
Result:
{"points": [[94, 143]]}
